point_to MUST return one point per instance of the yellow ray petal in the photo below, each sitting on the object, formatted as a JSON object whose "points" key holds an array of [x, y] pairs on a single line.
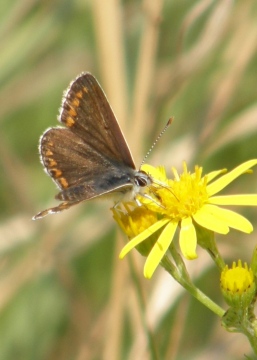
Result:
{"points": [[187, 239], [213, 174], [142, 236], [156, 173], [159, 249], [206, 218], [230, 218], [233, 219], [226, 179], [244, 199]]}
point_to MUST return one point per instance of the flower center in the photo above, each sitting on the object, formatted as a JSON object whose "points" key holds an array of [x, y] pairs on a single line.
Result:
{"points": [[183, 196]]}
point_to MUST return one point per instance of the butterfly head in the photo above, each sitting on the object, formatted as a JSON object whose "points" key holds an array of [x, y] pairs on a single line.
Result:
{"points": [[142, 179], [141, 182]]}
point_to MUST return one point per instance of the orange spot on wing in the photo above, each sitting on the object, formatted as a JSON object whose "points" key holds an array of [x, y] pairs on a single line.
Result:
{"points": [[55, 173], [72, 112], [63, 182], [69, 121], [79, 94], [75, 102], [52, 162]]}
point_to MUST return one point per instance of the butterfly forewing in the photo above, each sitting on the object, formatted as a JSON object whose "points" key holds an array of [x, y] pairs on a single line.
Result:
{"points": [[87, 113]]}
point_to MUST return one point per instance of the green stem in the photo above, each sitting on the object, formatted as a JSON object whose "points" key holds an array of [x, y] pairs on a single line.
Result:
{"points": [[253, 341], [178, 275], [204, 299], [205, 238]]}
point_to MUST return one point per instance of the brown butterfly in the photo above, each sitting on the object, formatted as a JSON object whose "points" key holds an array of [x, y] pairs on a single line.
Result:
{"points": [[89, 157]]}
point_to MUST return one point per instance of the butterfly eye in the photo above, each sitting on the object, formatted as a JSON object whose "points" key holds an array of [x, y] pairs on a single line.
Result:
{"points": [[142, 179]]}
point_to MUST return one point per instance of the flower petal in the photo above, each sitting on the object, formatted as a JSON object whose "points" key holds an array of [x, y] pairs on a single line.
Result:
{"points": [[142, 236], [244, 199], [226, 179], [187, 239], [155, 172], [234, 220], [159, 249], [213, 174], [206, 217]]}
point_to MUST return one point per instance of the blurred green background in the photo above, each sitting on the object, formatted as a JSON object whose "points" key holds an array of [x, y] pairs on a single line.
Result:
{"points": [[63, 292]]}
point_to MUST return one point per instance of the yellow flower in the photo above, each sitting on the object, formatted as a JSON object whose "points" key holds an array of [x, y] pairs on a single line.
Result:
{"points": [[183, 201], [133, 221], [237, 285]]}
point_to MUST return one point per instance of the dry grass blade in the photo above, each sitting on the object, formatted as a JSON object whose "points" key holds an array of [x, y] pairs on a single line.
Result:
{"points": [[238, 54], [145, 74], [110, 46]]}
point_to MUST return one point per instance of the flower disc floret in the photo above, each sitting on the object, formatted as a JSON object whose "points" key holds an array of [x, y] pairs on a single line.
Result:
{"points": [[183, 196]]}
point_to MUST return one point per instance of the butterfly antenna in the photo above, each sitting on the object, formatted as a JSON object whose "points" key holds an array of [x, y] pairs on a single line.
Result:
{"points": [[158, 138]]}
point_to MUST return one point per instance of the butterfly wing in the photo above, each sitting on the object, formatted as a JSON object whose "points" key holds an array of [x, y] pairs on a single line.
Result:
{"points": [[80, 170], [89, 157], [87, 113]]}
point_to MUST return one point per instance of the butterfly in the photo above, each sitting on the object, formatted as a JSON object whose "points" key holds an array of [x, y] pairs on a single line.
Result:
{"points": [[89, 157]]}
